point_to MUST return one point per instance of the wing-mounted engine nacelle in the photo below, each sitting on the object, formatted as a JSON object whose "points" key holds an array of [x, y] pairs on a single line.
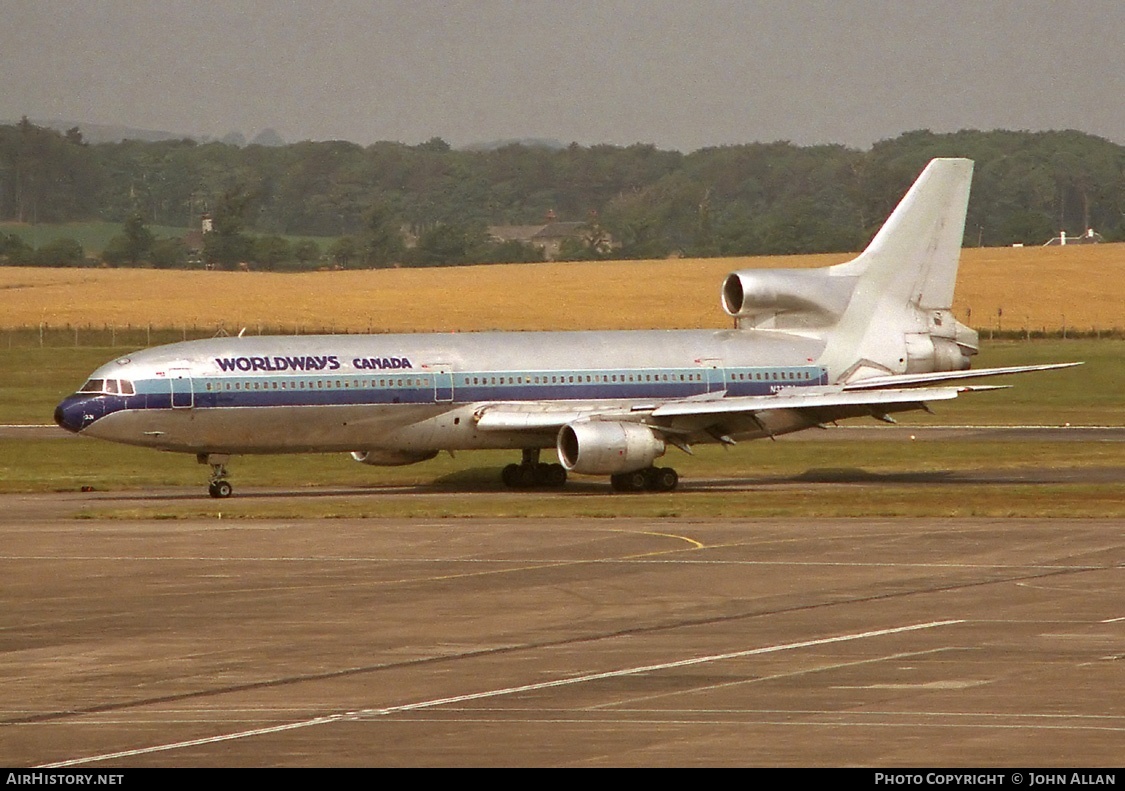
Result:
{"points": [[604, 448], [391, 458], [786, 298]]}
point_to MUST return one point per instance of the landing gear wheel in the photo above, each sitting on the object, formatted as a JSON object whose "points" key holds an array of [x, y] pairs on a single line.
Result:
{"points": [[511, 476], [527, 476], [218, 486], [635, 481], [533, 475], [652, 479], [664, 479], [556, 475]]}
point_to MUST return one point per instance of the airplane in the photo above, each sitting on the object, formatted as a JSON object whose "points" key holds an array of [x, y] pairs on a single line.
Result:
{"points": [[870, 337]]}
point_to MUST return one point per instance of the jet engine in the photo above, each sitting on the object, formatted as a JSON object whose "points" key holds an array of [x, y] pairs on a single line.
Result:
{"points": [[605, 448], [786, 298], [925, 353], [391, 458]]}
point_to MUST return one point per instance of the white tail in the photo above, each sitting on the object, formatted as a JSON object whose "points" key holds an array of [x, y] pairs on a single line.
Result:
{"points": [[898, 318], [914, 256]]}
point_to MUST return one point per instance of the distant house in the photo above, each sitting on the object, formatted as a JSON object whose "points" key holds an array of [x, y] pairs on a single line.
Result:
{"points": [[193, 239], [1090, 237], [549, 236]]}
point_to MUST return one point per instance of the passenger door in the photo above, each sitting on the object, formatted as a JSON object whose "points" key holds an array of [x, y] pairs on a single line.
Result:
{"points": [[183, 394]]}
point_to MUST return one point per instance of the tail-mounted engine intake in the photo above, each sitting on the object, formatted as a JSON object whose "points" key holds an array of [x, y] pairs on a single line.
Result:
{"points": [[786, 298], [947, 346], [603, 448]]}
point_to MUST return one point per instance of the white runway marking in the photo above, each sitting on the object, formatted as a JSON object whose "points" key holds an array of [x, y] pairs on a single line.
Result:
{"points": [[367, 713]]}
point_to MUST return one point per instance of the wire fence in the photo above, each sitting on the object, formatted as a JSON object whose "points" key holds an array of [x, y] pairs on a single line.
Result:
{"points": [[134, 337]]}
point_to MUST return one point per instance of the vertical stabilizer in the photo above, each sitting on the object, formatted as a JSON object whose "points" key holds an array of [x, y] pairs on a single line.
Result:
{"points": [[905, 277]]}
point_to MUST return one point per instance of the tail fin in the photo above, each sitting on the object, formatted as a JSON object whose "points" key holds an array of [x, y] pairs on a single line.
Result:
{"points": [[914, 256], [899, 309]]}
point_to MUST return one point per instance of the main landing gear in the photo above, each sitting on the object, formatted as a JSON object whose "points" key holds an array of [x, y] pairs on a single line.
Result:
{"points": [[650, 479], [218, 486], [532, 473]]}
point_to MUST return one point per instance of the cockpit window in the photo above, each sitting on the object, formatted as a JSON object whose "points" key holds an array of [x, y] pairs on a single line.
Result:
{"points": [[110, 386]]}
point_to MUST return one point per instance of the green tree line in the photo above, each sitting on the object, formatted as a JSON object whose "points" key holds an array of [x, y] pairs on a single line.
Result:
{"points": [[428, 204]]}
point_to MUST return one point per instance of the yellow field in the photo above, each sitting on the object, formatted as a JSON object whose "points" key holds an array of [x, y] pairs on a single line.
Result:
{"points": [[1036, 288]]}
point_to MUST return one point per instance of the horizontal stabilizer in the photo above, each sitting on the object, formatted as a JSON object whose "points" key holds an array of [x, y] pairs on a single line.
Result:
{"points": [[940, 377]]}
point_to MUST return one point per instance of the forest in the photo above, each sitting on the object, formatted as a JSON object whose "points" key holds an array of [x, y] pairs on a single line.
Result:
{"points": [[393, 204]]}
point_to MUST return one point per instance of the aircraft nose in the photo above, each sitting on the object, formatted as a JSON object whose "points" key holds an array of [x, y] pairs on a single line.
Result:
{"points": [[71, 413]]}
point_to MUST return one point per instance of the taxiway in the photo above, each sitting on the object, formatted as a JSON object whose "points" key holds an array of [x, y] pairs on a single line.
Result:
{"points": [[585, 642]]}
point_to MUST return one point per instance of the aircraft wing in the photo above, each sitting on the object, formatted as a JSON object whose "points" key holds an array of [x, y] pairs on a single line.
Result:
{"points": [[552, 416], [875, 396]]}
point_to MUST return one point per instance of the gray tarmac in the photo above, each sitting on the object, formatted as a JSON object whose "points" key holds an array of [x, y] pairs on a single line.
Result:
{"points": [[567, 642]]}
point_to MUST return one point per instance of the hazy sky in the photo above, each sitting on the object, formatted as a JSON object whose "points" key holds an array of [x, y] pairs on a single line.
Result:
{"points": [[678, 73]]}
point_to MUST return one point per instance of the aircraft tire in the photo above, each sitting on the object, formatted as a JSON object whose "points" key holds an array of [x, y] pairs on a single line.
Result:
{"points": [[664, 479], [531, 476], [511, 476], [629, 481], [556, 475], [528, 476], [220, 490], [543, 474]]}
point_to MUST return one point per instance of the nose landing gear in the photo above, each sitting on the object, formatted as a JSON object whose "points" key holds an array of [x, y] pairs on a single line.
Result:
{"points": [[220, 489], [218, 486]]}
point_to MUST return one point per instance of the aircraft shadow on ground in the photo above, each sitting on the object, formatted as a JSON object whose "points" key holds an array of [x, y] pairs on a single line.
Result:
{"points": [[472, 482]]}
